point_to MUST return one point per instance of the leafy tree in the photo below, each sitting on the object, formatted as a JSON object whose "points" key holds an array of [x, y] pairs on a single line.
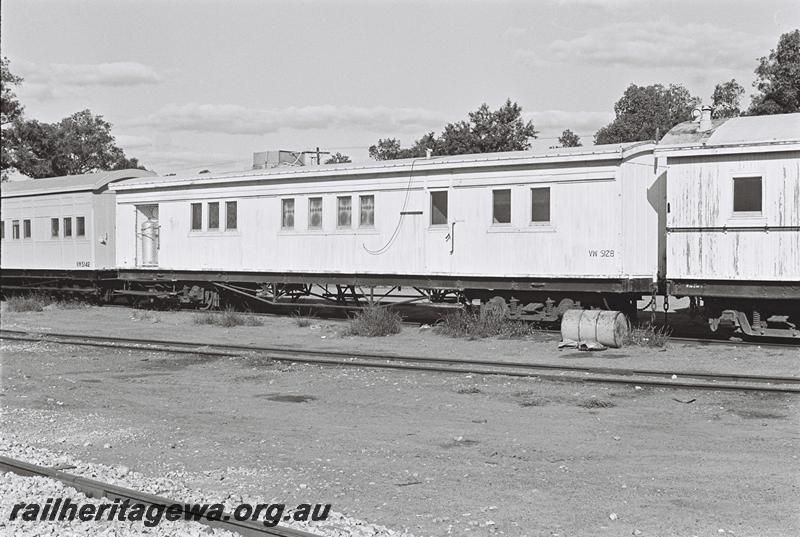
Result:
{"points": [[726, 98], [80, 143], [647, 112], [338, 158], [569, 139], [485, 131], [10, 107], [778, 78], [10, 111]]}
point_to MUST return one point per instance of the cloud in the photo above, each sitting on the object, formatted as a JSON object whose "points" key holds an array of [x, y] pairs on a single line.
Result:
{"points": [[236, 119], [82, 75], [652, 45], [48, 81]]}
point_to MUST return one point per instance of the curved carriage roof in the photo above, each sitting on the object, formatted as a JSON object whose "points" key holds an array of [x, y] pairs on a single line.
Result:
{"points": [[421, 164], [778, 128], [87, 182]]}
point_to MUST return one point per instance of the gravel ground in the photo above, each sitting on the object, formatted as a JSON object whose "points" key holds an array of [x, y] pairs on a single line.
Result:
{"points": [[422, 453], [15, 489]]}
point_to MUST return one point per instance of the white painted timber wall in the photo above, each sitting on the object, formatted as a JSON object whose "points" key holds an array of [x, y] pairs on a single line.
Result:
{"points": [[595, 206], [700, 194], [41, 250]]}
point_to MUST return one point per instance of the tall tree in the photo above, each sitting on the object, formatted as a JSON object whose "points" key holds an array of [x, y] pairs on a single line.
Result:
{"points": [[10, 111], [647, 112], [778, 78], [10, 107], [569, 139], [80, 143], [726, 99], [484, 131], [338, 158]]}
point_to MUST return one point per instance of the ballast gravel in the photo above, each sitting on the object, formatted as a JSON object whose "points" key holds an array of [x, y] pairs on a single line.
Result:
{"points": [[15, 489]]}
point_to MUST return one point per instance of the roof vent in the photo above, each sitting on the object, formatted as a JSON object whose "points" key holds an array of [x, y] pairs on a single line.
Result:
{"points": [[705, 119]]}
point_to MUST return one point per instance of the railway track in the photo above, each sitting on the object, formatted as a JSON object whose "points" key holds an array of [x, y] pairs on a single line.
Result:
{"points": [[573, 373], [98, 489]]}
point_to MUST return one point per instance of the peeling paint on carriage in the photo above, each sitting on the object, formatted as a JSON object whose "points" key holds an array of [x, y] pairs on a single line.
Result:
{"points": [[706, 238]]}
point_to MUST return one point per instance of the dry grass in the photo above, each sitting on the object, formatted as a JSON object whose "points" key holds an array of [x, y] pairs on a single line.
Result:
{"points": [[303, 321], [374, 321], [472, 325], [228, 319], [40, 302], [648, 335]]}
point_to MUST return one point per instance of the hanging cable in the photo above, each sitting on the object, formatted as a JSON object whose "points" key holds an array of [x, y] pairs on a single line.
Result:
{"points": [[386, 246]]}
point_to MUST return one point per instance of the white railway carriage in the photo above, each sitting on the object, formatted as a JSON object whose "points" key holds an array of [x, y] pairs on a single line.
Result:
{"points": [[60, 226], [570, 224], [733, 222]]}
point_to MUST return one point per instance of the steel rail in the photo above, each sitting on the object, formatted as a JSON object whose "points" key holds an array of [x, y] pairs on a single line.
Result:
{"points": [[786, 384], [97, 489]]}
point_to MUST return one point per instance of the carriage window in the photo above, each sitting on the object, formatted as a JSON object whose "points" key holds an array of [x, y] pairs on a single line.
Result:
{"points": [[540, 204], [68, 227], [439, 208], [501, 206], [2, 230], [213, 215], [53, 228], [747, 194], [80, 226], [230, 215], [367, 211], [26, 229], [344, 205], [197, 216], [287, 214], [315, 213], [15, 229]]}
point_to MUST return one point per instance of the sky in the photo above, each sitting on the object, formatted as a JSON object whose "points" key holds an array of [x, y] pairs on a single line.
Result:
{"points": [[190, 85]]}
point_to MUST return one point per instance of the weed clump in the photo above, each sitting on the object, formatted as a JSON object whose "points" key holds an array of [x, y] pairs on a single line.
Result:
{"points": [[22, 303], [648, 335], [302, 321], [228, 319], [472, 325], [374, 321], [41, 302]]}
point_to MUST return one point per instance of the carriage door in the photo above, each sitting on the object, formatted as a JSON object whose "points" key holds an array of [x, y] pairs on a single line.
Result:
{"points": [[147, 232]]}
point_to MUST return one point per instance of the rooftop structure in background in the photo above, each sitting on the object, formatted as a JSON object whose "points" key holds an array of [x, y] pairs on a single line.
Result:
{"points": [[281, 158], [276, 159]]}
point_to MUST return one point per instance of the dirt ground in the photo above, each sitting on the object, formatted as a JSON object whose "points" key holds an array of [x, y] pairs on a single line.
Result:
{"points": [[326, 334], [433, 453]]}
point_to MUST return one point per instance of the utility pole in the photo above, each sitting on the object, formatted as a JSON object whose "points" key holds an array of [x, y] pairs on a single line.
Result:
{"points": [[319, 154]]}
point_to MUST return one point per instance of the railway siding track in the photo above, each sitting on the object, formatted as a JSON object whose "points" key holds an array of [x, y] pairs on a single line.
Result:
{"points": [[97, 489], [630, 376]]}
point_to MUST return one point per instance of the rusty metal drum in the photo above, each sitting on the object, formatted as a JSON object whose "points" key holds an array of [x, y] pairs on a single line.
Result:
{"points": [[609, 328]]}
